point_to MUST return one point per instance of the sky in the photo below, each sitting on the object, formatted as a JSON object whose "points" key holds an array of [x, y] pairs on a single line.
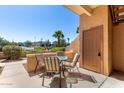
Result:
{"points": [[21, 23]]}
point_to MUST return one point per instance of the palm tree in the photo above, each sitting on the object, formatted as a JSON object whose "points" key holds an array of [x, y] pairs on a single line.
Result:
{"points": [[59, 35], [68, 40], [77, 30]]}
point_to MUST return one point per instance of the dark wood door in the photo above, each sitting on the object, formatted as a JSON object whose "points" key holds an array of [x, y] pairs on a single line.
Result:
{"points": [[92, 43]]}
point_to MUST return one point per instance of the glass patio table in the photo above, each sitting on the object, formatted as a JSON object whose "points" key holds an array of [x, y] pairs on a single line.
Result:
{"points": [[62, 60]]}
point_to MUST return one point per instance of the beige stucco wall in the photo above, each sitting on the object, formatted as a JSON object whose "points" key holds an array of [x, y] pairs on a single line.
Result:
{"points": [[100, 16], [118, 47], [75, 44]]}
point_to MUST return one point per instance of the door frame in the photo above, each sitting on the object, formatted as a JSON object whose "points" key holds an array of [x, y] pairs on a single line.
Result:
{"points": [[102, 48]]}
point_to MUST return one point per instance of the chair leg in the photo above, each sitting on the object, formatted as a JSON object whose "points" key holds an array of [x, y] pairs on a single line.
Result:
{"points": [[77, 69], [70, 69], [43, 80], [73, 69], [36, 67], [70, 85], [63, 71]]}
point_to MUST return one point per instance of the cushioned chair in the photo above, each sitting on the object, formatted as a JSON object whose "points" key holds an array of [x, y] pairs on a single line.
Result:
{"points": [[73, 64]]}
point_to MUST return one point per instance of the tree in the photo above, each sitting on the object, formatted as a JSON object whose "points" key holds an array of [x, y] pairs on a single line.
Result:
{"points": [[28, 43], [20, 44], [54, 43], [48, 44], [3, 42], [77, 30], [41, 42], [14, 43], [59, 35], [63, 43], [68, 40]]}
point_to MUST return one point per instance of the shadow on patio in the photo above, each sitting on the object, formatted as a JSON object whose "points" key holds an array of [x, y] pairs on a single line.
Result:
{"points": [[55, 81]]}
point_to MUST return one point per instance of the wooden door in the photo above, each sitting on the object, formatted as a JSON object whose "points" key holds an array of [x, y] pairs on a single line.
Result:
{"points": [[92, 44]]}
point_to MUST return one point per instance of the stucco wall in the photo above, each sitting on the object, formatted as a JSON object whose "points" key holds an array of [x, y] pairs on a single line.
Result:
{"points": [[75, 44], [99, 17], [118, 47]]}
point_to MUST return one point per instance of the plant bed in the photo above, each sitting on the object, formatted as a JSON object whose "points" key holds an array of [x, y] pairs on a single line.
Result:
{"points": [[57, 49], [12, 52]]}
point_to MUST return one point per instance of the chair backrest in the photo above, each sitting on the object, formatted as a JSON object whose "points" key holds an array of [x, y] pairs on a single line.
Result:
{"points": [[51, 64], [39, 57], [75, 59], [60, 53]]}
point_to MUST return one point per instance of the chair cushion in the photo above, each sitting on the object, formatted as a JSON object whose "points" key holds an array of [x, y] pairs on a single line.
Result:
{"points": [[68, 64], [75, 60]]}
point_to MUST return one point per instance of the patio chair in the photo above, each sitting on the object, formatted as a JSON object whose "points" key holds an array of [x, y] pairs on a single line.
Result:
{"points": [[51, 65], [39, 58], [72, 65], [32, 63]]}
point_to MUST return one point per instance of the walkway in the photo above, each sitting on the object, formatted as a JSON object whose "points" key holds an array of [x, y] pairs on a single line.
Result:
{"points": [[14, 75]]}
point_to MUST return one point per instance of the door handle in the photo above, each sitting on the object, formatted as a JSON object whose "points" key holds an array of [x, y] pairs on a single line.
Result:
{"points": [[99, 54]]}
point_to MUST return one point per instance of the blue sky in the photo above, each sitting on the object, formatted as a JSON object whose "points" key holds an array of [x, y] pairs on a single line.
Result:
{"points": [[21, 23]]}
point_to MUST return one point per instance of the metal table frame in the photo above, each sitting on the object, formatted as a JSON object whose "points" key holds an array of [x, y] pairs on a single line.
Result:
{"points": [[62, 60]]}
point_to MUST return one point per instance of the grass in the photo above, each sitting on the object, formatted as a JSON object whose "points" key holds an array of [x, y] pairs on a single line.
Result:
{"points": [[57, 49], [41, 50], [36, 50]]}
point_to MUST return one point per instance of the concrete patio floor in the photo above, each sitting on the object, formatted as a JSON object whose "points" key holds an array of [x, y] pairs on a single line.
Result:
{"points": [[14, 75]]}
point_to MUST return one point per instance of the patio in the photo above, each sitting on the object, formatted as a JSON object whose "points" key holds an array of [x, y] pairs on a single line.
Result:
{"points": [[14, 75]]}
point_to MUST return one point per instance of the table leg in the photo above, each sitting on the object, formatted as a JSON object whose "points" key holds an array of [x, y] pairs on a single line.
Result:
{"points": [[63, 70], [36, 64]]}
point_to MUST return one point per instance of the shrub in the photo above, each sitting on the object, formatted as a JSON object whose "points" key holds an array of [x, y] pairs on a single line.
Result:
{"points": [[39, 49], [23, 53], [36, 50], [57, 49], [12, 51]]}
